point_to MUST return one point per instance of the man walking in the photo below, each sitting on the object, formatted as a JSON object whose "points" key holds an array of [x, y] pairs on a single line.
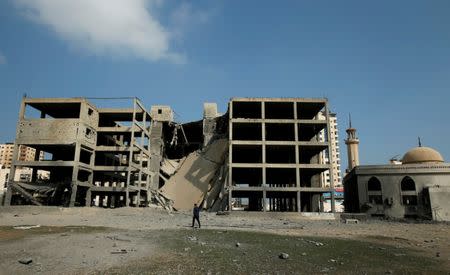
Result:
{"points": [[196, 215]]}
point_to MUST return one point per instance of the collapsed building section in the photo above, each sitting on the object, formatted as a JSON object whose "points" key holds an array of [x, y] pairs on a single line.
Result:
{"points": [[275, 154], [264, 154], [194, 167]]}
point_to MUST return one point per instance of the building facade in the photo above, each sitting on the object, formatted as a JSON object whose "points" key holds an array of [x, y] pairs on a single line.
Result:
{"points": [[92, 155], [264, 154], [26, 153], [418, 186], [275, 161], [335, 151]]}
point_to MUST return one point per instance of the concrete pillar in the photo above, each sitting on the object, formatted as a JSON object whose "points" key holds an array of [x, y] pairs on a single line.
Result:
{"points": [[230, 154], [8, 195], [73, 195], [88, 198], [209, 121]]}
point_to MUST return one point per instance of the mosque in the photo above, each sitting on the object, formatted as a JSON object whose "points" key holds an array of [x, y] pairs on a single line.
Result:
{"points": [[417, 186]]}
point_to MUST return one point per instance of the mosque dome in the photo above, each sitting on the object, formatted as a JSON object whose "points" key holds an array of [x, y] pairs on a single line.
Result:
{"points": [[422, 155]]}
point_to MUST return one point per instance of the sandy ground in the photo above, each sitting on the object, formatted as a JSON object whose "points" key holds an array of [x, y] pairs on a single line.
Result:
{"points": [[71, 251]]}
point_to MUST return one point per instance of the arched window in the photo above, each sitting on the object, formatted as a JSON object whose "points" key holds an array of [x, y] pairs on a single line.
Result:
{"points": [[408, 184], [409, 196], [374, 184], [374, 191]]}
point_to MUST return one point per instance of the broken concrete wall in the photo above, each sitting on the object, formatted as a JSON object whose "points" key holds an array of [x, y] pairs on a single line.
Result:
{"points": [[196, 176], [440, 203], [209, 122]]}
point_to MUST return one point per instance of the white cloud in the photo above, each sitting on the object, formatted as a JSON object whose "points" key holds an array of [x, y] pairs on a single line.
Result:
{"points": [[185, 17], [106, 27], [2, 59]]}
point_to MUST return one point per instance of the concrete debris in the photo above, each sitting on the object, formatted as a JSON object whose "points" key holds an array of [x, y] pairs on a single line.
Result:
{"points": [[25, 227], [121, 251], [223, 213], [195, 176], [351, 221], [283, 256], [163, 201], [170, 166], [26, 261], [315, 243], [192, 238]]}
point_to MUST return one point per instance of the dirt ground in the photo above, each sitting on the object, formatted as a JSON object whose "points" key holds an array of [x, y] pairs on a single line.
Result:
{"points": [[151, 241]]}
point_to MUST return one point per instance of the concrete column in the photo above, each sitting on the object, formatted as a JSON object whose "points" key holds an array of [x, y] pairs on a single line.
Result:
{"points": [[12, 170], [75, 174], [130, 156], [73, 195], [141, 153], [8, 195], [88, 198], [263, 129], [230, 154]]}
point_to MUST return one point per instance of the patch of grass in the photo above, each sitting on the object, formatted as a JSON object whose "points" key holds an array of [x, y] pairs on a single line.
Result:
{"points": [[9, 233], [215, 251]]}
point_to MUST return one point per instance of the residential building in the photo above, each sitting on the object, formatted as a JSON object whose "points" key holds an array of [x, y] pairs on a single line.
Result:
{"points": [[335, 151], [26, 153]]}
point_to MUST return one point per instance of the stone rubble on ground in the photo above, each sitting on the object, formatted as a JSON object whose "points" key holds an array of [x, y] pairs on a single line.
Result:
{"points": [[26, 261], [283, 256], [192, 238]]}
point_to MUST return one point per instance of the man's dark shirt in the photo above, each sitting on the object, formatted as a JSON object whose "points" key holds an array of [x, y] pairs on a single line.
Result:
{"points": [[196, 211]]}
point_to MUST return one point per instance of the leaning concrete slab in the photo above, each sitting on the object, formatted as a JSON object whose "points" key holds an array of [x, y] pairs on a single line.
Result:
{"points": [[192, 180]]}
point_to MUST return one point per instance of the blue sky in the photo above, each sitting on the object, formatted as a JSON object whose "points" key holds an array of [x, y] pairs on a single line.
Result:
{"points": [[385, 62]]}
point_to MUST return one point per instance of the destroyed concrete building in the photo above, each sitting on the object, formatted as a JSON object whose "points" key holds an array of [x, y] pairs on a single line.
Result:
{"points": [[91, 153], [275, 154], [264, 154]]}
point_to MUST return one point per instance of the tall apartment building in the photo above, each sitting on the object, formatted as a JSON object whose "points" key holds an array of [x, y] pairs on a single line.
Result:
{"points": [[25, 154], [275, 154], [335, 151]]}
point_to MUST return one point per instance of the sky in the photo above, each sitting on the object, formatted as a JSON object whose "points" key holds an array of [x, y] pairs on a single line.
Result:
{"points": [[385, 62]]}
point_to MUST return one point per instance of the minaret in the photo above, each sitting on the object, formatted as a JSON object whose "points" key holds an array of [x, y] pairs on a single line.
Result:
{"points": [[352, 146]]}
